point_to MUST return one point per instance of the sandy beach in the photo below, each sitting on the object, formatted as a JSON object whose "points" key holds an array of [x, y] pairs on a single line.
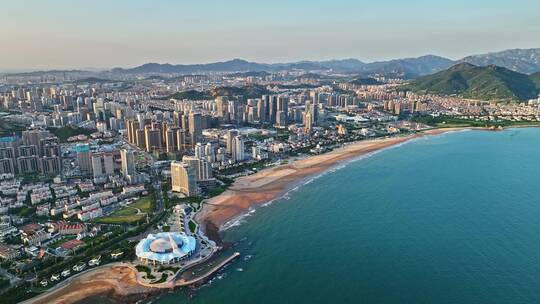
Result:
{"points": [[254, 190], [119, 280]]}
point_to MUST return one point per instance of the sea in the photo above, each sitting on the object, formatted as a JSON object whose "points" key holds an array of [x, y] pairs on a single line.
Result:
{"points": [[451, 218]]}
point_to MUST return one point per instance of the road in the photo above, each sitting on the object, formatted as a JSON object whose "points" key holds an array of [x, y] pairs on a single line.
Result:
{"points": [[66, 282], [156, 182], [154, 172]]}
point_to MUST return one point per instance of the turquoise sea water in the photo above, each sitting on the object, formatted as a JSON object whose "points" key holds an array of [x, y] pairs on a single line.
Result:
{"points": [[453, 218]]}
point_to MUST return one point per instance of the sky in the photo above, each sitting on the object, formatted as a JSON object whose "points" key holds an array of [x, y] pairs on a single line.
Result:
{"points": [[59, 34]]}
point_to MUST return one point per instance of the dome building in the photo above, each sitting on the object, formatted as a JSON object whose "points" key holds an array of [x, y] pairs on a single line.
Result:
{"points": [[165, 248]]}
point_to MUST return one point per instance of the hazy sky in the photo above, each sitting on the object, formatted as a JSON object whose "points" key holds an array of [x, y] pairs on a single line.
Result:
{"points": [[109, 33]]}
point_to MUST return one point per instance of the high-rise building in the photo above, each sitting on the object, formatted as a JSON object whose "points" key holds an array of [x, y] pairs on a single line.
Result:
{"points": [[210, 152], [183, 179], [7, 157], [131, 129], [171, 140], [272, 109], [184, 123], [152, 137], [51, 161], [33, 137], [102, 165], [195, 127], [140, 139], [261, 110], [283, 103], [84, 158], [128, 162], [231, 134], [308, 122], [28, 160], [237, 154], [200, 165], [222, 108], [50, 165], [181, 139], [281, 119], [199, 150]]}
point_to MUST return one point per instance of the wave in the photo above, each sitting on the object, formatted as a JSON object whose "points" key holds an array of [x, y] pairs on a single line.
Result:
{"points": [[241, 219]]}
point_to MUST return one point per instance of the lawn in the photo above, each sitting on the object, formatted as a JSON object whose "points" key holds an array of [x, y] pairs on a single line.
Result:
{"points": [[129, 214], [126, 211], [145, 204], [163, 278], [192, 226], [130, 219], [147, 270]]}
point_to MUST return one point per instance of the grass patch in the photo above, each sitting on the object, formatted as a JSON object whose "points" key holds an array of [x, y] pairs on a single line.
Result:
{"points": [[216, 191], [129, 214], [163, 278], [64, 133], [130, 219], [147, 270], [126, 211], [144, 203], [192, 226]]}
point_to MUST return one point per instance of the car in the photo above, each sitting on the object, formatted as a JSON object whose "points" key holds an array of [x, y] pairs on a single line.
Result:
{"points": [[79, 266], [66, 273], [55, 277], [95, 261], [44, 283]]}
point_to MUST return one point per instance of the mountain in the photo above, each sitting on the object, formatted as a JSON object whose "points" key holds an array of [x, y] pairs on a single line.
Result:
{"points": [[470, 81], [409, 67], [239, 65], [365, 81], [235, 65], [535, 78], [248, 91], [343, 64], [520, 60], [250, 74], [189, 95]]}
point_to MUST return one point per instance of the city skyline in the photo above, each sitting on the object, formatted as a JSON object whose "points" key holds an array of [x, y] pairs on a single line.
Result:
{"points": [[104, 35]]}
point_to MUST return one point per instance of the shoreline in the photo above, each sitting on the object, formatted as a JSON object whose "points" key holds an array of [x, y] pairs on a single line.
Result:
{"points": [[245, 194], [116, 280], [252, 191]]}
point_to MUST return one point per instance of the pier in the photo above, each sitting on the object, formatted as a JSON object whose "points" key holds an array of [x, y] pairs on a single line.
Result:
{"points": [[203, 277]]}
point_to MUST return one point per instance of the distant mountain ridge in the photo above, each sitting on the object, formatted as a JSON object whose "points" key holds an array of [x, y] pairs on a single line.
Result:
{"points": [[408, 67], [520, 60], [240, 65], [525, 61], [486, 83]]}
